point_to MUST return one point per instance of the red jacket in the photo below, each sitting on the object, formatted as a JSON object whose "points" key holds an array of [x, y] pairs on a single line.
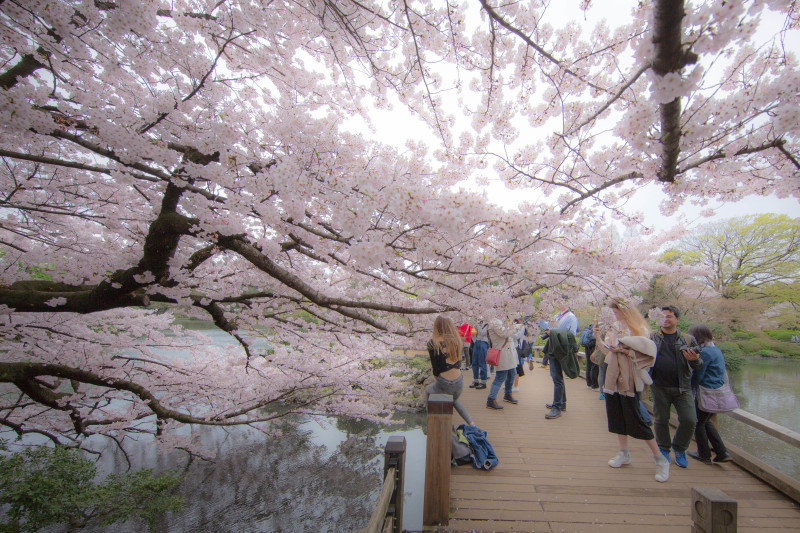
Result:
{"points": [[466, 332]]}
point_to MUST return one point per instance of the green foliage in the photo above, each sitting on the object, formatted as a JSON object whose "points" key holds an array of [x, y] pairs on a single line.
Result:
{"points": [[747, 256], [684, 323], [781, 335], [670, 256], [719, 331], [419, 362], [750, 347], [734, 361], [139, 494], [767, 344], [729, 348], [47, 486]]}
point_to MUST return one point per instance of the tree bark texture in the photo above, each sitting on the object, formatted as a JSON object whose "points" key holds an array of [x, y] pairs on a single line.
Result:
{"points": [[668, 58]]}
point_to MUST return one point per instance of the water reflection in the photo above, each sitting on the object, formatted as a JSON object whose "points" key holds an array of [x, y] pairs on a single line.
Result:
{"points": [[769, 388], [320, 475]]}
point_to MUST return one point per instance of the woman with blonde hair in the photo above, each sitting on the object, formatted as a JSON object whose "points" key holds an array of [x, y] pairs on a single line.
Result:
{"points": [[444, 349], [629, 351]]}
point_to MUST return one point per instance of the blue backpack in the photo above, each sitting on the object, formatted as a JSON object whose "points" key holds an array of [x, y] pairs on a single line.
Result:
{"points": [[587, 335]]}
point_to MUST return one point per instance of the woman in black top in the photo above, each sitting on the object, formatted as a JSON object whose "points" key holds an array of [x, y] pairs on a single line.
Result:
{"points": [[444, 349]]}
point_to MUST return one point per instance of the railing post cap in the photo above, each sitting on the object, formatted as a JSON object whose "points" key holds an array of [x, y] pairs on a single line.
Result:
{"points": [[440, 404], [395, 444]]}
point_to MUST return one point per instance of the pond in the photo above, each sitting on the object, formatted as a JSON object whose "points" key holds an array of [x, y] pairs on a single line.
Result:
{"points": [[322, 474], [769, 388]]}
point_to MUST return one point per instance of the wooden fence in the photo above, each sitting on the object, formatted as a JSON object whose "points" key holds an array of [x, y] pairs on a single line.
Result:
{"points": [[388, 514]]}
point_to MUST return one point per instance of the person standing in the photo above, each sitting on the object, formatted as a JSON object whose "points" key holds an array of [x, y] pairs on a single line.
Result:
{"points": [[712, 376], [565, 319], [465, 330], [444, 349], [567, 322], [519, 339], [628, 352], [480, 345], [588, 342], [676, 358], [502, 337]]}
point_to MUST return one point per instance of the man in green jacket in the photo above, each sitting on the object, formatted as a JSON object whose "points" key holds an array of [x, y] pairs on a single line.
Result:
{"points": [[676, 357], [561, 349]]}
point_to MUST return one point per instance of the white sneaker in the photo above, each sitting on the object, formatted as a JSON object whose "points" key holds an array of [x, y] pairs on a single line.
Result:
{"points": [[662, 470], [622, 458]]}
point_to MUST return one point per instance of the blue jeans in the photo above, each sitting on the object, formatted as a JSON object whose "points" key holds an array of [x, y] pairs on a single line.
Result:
{"points": [[479, 360], [559, 391], [501, 377], [645, 413]]}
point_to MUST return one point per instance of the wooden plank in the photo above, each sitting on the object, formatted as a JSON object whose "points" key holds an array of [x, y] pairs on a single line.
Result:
{"points": [[553, 474]]}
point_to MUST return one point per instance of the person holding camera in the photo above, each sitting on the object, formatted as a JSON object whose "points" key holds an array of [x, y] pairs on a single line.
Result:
{"points": [[676, 358]]}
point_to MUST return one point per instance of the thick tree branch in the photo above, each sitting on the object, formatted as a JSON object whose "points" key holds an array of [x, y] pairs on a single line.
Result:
{"points": [[26, 372]]}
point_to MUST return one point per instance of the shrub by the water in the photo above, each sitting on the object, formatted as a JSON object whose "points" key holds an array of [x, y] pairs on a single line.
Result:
{"points": [[781, 335], [734, 361], [48, 486]]}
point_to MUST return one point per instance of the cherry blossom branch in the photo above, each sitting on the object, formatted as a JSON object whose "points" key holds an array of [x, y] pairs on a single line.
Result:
{"points": [[257, 259], [611, 100], [605, 185], [496, 16], [776, 143], [24, 373]]}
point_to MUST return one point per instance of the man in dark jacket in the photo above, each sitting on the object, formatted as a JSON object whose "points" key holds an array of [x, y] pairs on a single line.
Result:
{"points": [[676, 357], [561, 349]]}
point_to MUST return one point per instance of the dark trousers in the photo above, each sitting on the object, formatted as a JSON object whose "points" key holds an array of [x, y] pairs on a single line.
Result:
{"points": [[467, 356], [705, 432], [663, 399], [559, 390], [592, 374]]}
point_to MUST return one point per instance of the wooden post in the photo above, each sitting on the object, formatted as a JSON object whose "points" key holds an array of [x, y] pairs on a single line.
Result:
{"points": [[394, 455], [436, 508], [713, 511]]}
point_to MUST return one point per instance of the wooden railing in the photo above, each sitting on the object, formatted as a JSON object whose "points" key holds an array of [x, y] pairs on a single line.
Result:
{"points": [[388, 514], [438, 448]]}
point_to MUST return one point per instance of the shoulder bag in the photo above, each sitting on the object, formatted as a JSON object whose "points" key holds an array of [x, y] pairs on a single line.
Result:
{"points": [[493, 355], [719, 400]]}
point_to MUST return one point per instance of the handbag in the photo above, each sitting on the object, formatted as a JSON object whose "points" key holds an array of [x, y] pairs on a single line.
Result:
{"points": [[493, 355], [719, 400]]}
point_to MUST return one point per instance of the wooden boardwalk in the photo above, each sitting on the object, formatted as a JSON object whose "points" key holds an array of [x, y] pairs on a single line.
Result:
{"points": [[553, 474]]}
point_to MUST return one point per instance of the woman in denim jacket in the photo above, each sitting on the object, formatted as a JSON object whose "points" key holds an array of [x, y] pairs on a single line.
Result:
{"points": [[712, 376]]}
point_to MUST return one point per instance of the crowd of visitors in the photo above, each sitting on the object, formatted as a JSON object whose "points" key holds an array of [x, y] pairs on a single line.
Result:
{"points": [[623, 359]]}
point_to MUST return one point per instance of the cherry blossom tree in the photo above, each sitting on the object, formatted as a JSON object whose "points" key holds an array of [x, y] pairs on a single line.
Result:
{"points": [[197, 158]]}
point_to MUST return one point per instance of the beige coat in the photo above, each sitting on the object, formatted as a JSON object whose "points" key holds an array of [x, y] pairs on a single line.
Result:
{"points": [[498, 333], [627, 371]]}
